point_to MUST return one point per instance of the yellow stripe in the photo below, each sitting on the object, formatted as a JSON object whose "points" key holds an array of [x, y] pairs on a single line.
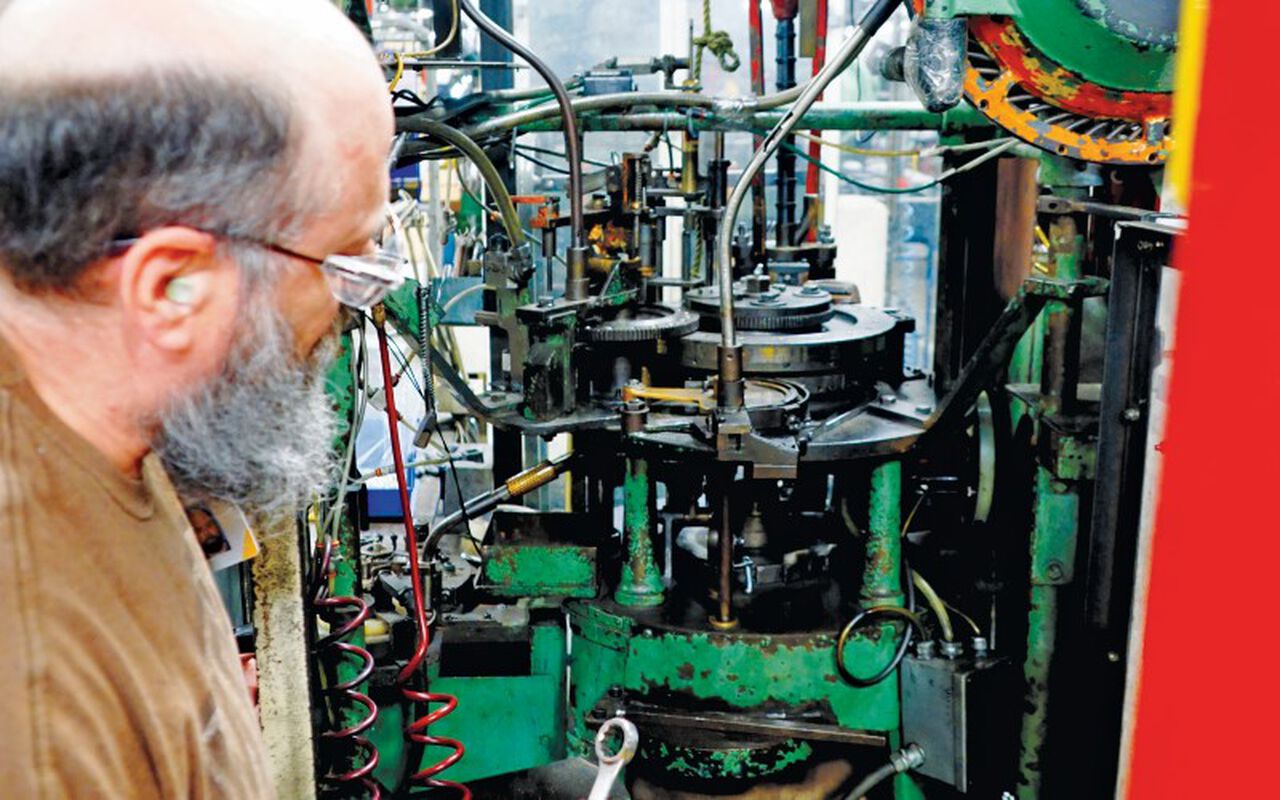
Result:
{"points": [[1192, 29]]}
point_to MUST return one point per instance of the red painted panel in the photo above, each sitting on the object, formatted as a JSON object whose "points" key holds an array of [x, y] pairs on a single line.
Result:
{"points": [[1207, 706]]}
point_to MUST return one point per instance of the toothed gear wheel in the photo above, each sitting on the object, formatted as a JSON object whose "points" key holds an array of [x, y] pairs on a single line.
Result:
{"points": [[644, 324], [781, 308]]}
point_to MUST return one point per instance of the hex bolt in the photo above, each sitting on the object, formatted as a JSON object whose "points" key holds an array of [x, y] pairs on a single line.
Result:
{"points": [[1132, 414], [924, 649], [924, 409], [952, 650], [888, 397], [1055, 571], [979, 645]]}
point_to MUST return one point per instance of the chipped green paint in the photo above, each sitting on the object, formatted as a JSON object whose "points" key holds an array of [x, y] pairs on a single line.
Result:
{"points": [[1083, 44], [1041, 638], [641, 583], [882, 578], [756, 671], [730, 763], [540, 570], [731, 669]]}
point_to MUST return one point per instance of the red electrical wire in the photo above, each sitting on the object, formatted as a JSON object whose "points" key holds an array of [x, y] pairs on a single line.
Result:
{"points": [[329, 608], [417, 730]]}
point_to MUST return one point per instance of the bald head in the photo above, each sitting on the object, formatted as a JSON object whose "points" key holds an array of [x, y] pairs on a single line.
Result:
{"points": [[146, 96]]}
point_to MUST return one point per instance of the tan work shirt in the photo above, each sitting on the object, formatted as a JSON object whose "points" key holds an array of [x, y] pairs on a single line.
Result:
{"points": [[119, 669]]}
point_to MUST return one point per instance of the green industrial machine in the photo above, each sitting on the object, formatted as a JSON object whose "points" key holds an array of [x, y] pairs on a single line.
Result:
{"points": [[788, 559]]}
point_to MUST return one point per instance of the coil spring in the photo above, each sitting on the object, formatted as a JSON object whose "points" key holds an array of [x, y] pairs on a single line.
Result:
{"points": [[330, 609], [417, 730]]}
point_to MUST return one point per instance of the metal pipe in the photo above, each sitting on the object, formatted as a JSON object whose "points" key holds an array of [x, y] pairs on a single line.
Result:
{"points": [[862, 33], [729, 105], [488, 172], [850, 116], [572, 143]]}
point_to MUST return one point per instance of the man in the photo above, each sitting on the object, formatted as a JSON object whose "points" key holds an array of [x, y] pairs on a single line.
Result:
{"points": [[176, 181]]}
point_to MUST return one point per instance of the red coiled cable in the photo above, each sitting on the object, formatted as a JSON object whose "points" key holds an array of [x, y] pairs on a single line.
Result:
{"points": [[330, 609], [417, 730]]}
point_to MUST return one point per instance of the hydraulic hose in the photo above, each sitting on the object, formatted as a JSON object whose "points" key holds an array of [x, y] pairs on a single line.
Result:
{"points": [[572, 143], [416, 730], [852, 47], [517, 485], [872, 781], [902, 760], [473, 151]]}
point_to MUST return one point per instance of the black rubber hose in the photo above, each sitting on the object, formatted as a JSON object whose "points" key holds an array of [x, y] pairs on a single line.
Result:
{"points": [[572, 144], [492, 179]]}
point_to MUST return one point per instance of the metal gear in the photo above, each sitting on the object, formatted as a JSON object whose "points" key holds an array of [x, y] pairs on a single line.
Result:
{"points": [[643, 324], [780, 308]]}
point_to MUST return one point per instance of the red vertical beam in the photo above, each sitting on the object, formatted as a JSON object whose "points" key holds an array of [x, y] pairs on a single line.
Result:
{"points": [[755, 19], [1207, 694], [811, 178]]}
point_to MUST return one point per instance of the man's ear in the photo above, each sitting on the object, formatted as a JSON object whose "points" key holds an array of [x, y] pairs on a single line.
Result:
{"points": [[170, 280]]}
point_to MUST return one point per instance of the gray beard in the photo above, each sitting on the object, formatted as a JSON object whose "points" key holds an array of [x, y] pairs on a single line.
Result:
{"points": [[261, 433]]}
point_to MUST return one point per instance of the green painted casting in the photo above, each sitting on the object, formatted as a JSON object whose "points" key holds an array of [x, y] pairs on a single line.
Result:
{"points": [[540, 570], [734, 670], [641, 583], [506, 722], [729, 763], [1085, 46], [882, 578]]}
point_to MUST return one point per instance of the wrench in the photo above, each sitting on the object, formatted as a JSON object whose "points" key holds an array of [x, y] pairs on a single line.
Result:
{"points": [[611, 765]]}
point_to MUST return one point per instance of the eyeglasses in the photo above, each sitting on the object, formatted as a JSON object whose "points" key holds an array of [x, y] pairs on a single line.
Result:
{"points": [[358, 281]]}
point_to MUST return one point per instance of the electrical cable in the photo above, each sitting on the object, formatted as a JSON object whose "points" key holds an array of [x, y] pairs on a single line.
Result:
{"points": [[935, 602], [863, 616], [572, 143], [448, 39], [416, 731], [996, 150], [541, 163], [558, 154]]}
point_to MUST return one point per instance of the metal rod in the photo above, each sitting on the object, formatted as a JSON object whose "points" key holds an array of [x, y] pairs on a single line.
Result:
{"points": [[724, 595], [852, 46]]}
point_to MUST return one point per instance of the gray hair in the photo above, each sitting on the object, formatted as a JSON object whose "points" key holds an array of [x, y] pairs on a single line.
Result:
{"points": [[84, 164]]}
